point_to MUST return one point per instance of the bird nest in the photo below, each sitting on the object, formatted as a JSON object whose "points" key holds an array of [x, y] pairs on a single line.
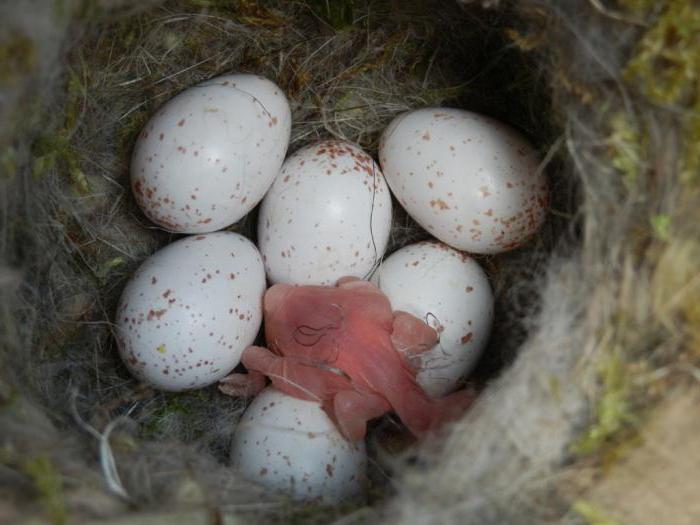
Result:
{"points": [[592, 366]]}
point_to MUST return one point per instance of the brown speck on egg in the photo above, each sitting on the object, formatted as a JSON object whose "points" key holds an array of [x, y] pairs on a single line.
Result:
{"points": [[155, 314], [440, 204], [181, 123]]}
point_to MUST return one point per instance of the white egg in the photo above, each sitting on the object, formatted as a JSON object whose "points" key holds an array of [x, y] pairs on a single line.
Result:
{"points": [[292, 447], [471, 181], [190, 310], [327, 215], [208, 156], [450, 291]]}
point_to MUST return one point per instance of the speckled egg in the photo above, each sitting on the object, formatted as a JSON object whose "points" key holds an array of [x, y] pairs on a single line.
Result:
{"points": [[292, 447], [190, 310], [327, 215], [471, 181], [451, 292], [208, 156]]}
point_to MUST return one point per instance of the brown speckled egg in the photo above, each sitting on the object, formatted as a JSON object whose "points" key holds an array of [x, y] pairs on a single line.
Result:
{"points": [[471, 181], [190, 310], [208, 156], [292, 447], [327, 215]]}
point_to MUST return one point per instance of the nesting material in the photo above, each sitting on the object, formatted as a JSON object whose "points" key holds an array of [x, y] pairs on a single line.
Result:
{"points": [[595, 319]]}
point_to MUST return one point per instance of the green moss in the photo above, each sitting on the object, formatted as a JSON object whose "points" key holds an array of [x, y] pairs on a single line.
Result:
{"points": [[666, 62], [660, 225], [665, 68], [555, 387], [173, 406], [49, 484], [18, 57], [638, 6], [613, 410], [592, 513], [76, 92], [55, 150], [8, 163], [626, 147], [109, 265], [130, 130], [8, 397]]}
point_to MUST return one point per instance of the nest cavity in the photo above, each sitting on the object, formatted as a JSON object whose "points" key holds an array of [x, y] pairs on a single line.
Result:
{"points": [[596, 324]]}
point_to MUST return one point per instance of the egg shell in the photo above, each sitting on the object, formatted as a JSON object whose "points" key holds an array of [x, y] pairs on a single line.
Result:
{"points": [[291, 446], [327, 215], [190, 310], [471, 181], [451, 292], [208, 156]]}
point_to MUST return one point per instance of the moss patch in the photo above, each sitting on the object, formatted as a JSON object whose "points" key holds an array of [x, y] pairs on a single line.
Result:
{"points": [[613, 409], [18, 57], [665, 68], [49, 484], [593, 514]]}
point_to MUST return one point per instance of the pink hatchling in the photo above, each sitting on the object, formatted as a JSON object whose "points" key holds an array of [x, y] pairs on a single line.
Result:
{"points": [[344, 347]]}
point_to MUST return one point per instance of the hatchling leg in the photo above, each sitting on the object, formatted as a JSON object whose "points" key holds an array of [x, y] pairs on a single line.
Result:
{"points": [[352, 410], [242, 385], [454, 405], [292, 377]]}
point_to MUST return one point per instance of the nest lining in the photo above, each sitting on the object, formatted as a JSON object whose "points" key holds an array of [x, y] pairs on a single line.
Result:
{"points": [[569, 303]]}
